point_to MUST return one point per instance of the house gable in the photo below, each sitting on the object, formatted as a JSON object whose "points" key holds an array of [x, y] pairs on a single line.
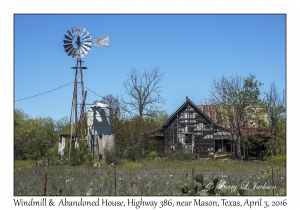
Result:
{"points": [[188, 103], [191, 127]]}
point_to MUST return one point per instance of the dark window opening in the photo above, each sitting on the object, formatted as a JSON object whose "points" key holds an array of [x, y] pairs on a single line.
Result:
{"points": [[188, 138]]}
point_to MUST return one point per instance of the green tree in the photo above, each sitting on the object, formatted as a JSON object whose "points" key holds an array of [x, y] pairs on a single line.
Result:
{"points": [[34, 138], [238, 105], [41, 137], [161, 116], [62, 125], [19, 127], [134, 137]]}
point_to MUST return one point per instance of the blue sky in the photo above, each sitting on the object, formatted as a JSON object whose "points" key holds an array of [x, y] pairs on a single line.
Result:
{"points": [[191, 50]]}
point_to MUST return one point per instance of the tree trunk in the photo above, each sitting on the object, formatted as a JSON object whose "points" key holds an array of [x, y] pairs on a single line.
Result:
{"points": [[238, 152]]}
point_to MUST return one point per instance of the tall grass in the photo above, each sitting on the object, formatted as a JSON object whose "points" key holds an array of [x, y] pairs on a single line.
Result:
{"points": [[147, 177]]}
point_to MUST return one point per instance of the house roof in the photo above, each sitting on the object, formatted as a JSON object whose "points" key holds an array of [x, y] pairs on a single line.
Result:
{"points": [[187, 103], [209, 110], [100, 104], [209, 114]]}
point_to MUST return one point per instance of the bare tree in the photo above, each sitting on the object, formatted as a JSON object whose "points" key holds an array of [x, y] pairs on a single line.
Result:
{"points": [[143, 89], [116, 104], [275, 103]]}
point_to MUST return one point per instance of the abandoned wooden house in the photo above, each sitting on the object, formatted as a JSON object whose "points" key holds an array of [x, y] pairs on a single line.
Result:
{"points": [[193, 127]]}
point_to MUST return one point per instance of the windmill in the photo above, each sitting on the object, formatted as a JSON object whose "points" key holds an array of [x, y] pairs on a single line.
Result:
{"points": [[77, 44]]}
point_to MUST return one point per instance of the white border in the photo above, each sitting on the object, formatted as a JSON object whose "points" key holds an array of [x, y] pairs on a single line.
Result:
{"points": [[8, 9]]}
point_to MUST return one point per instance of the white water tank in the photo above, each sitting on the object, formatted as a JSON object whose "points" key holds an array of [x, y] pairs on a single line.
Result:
{"points": [[99, 119]]}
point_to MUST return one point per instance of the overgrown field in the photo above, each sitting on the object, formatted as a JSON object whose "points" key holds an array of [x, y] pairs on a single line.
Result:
{"points": [[152, 177]]}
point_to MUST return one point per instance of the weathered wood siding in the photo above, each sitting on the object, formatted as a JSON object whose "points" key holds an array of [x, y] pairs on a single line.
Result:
{"points": [[189, 121]]}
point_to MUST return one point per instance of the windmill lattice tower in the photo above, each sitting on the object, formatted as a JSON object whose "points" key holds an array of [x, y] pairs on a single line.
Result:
{"points": [[77, 43]]}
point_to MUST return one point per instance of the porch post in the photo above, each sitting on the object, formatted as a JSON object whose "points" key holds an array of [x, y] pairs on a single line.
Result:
{"points": [[222, 146]]}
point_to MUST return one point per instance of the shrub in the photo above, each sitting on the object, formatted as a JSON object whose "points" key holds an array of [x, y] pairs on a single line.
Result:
{"points": [[181, 153], [110, 156], [277, 160], [133, 152], [79, 155], [152, 154]]}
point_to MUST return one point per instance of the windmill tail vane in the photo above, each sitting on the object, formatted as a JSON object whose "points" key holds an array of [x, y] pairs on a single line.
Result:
{"points": [[103, 41]]}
